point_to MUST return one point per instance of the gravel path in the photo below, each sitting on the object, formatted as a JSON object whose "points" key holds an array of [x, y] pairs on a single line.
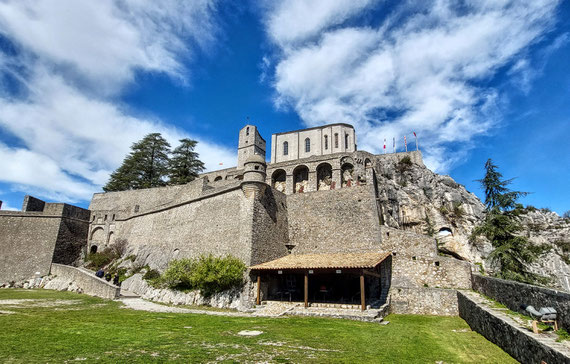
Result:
{"points": [[142, 305]]}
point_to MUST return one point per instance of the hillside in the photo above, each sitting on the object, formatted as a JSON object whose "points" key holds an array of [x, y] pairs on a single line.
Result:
{"points": [[414, 198]]}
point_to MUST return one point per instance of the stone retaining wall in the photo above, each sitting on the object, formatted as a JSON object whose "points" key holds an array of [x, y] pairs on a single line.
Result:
{"points": [[423, 301], [520, 344], [85, 281], [438, 272], [514, 294]]}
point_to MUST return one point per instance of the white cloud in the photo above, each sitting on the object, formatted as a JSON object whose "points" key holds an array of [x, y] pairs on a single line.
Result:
{"points": [[420, 71], [105, 42], [74, 57]]}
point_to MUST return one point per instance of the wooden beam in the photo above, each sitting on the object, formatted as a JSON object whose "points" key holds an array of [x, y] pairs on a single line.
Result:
{"points": [[306, 289], [258, 300], [373, 274], [362, 292]]}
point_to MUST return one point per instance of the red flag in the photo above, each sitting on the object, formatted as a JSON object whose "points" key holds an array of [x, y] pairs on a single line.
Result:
{"points": [[414, 134], [221, 163]]}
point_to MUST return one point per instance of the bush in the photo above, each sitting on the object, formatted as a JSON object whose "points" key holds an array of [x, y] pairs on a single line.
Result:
{"points": [[404, 164], [566, 215], [98, 260], [209, 274], [151, 274]]}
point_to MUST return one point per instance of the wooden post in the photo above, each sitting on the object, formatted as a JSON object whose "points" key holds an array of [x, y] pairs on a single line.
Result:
{"points": [[258, 300], [306, 289], [362, 293]]}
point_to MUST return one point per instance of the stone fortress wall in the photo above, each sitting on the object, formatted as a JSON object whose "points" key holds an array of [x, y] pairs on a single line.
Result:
{"points": [[38, 235]]}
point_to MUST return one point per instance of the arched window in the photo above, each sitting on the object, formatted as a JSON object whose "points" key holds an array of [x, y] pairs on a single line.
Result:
{"points": [[336, 140], [346, 141], [326, 142], [307, 145], [285, 148]]}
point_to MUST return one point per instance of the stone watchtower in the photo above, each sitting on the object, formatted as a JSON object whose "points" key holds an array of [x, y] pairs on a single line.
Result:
{"points": [[250, 143], [254, 175]]}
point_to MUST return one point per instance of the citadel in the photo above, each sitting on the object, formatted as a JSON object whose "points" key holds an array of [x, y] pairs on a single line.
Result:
{"points": [[309, 225]]}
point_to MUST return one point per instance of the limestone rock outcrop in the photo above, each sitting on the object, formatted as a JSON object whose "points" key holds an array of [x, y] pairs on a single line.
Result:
{"points": [[412, 197]]}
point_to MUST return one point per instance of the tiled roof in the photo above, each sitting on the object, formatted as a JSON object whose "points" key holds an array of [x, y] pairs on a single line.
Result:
{"points": [[324, 260]]}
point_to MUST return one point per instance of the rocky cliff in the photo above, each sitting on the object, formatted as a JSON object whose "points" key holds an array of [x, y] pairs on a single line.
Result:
{"points": [[412, 197]]}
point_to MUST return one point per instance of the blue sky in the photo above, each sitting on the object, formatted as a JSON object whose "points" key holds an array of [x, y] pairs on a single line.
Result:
{"points": [[81, 80]]}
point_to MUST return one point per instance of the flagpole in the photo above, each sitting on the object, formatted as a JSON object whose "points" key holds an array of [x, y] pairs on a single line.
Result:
{"points": [[405, 143], [416, 140], [393, 144]]}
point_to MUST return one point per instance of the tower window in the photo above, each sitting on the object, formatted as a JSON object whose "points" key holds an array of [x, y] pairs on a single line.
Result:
{"points": [[307, 145], [346, 141], [336, 140], [285, 148], [247, 131], [326, 142]]}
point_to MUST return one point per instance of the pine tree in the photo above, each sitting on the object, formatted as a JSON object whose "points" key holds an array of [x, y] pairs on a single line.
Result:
{"points": [[184, 165], [146, 166], [512, 251]]}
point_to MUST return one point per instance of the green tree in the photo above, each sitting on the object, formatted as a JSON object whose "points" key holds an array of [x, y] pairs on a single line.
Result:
{"points": [[512, 251], [146, 166], [184, 165]]}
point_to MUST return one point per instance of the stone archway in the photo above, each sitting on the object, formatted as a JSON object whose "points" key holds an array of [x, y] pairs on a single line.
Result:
{"points": [[324, 176], [347, 174], [279, 180], [98, 236], [300, 179]]}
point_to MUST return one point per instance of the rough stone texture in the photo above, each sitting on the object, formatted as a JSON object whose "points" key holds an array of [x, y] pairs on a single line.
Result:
{"points": [[229, 299], [439, 272], [333, 221], [514, 294], [30, 241], [521, 344], [32, 204], [423, 301], [409, 243], [67, 278]]}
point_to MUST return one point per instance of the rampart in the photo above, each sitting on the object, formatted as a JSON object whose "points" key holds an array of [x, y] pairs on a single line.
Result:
{"points": [[332, 221], [522, 344], [86, 281], [31, 240], [514, 294]]}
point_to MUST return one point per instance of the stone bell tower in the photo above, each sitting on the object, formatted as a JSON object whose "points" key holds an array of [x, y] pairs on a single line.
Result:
{"points": [[250, 143]]}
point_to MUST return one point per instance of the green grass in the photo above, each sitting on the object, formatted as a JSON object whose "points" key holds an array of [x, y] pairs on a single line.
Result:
{"points": [[94, 330]]}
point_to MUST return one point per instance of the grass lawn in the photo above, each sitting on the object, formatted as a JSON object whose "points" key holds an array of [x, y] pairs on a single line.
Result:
{"points": [[62, 326]]}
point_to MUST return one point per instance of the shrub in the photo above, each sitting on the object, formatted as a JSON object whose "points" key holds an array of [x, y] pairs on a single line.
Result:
{"points": [[209, 274], [566, 215], [98, 260], [458, 210], [151, 274], [404, 164], [119, 247]]}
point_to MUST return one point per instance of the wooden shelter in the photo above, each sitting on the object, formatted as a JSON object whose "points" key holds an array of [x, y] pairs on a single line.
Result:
{"points": [[360, 264]]}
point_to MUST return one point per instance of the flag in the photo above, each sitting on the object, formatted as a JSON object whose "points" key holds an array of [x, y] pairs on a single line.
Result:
{"points": [[221, 163], [384, 145], [405, 143], [394, 145], [414, 134]]}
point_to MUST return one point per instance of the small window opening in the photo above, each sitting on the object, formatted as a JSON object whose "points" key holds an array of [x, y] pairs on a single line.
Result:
{"points": [[307, 145], [346, 141], [256, 167], [326, 142], [436, 264], [93, 249], [285, 148], [113, 218], [137, 208], [413, 258], [247, 131], [105, 219], [336, 140]]}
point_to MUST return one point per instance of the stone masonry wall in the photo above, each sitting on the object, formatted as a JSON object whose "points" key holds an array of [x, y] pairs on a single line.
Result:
{"points": [[270, 228], [84, 280], [333, 221], [441, 272], [407, 243], [27, 242], [519, 344], [514, 294], [220, 224], [423, 301]]}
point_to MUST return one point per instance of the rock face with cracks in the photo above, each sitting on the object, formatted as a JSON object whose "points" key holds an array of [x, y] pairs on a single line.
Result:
{"points": [[414, 198]]}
